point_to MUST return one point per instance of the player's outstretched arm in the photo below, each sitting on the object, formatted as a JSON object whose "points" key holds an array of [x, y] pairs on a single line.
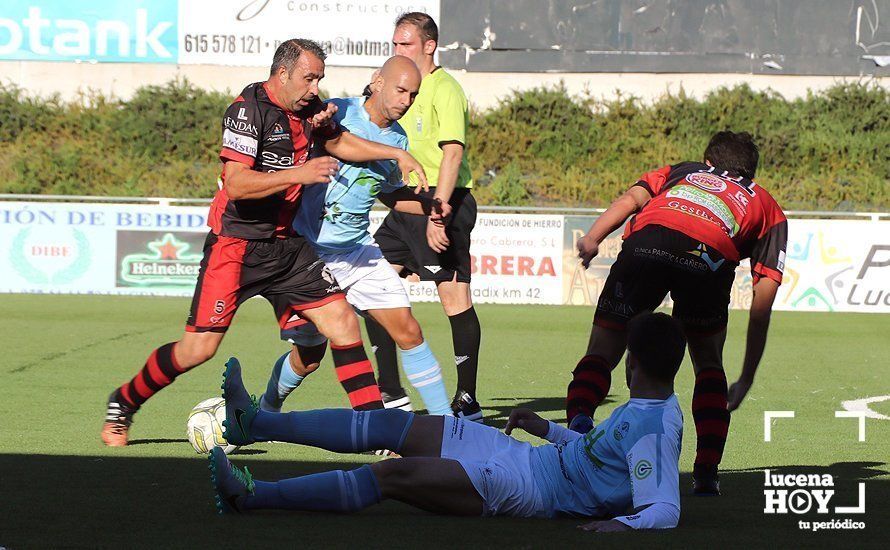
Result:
{"points": [[404, 200], [352, 148], [614, 217], [241, 182], [758, 325]]}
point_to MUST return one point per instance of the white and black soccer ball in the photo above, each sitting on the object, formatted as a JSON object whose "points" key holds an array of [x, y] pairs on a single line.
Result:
{"points": [[204, 427]]}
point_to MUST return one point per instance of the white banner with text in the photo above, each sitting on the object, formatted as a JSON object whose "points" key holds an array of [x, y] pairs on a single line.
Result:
{"points": [[90, 248]]}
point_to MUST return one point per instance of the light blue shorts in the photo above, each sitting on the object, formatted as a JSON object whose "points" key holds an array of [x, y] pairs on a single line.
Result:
{"points": [[498, 465]]}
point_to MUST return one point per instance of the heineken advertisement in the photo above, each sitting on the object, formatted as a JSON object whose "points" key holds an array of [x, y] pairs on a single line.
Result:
{"points": [[832, 265], [160, 260]]}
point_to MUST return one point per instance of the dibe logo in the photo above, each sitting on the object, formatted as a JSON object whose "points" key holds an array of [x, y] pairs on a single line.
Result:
{"points": [[53, 258]]}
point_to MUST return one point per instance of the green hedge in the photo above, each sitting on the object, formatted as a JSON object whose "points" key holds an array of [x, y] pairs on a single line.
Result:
{"points": [[830, 150]]}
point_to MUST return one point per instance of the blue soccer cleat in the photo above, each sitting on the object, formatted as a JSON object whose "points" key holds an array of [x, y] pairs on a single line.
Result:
{"points": [[581, 424], [230, 484], [241, 407]]}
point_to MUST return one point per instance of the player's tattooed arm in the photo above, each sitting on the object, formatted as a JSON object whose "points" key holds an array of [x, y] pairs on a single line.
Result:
{"points": [[758, 325], [241, 182], [614, 217]]}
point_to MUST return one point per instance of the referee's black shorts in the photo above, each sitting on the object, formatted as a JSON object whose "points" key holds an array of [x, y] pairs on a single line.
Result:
{"points": [[402, 239]]}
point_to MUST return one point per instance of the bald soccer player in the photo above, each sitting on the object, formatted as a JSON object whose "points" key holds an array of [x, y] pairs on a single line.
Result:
{"points": [[334, 218]]}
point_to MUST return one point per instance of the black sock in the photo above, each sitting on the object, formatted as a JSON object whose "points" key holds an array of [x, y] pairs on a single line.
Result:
{"points": [[466, 334], [385, 354]]}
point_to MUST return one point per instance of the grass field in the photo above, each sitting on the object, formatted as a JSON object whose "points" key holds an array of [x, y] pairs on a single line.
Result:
{"points": [[59, 487]]}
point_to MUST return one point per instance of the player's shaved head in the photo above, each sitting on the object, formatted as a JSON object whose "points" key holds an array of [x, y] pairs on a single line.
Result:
{"points": [[392, 90], [399, 66]]}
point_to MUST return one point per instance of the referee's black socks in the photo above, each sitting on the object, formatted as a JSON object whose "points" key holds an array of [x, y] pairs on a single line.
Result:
{"points": [[466, 335]]}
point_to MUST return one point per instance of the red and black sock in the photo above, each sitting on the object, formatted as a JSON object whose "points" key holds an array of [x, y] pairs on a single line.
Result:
{"points": [[710, 415], [590, 384], [159, 372], [356, 375]]}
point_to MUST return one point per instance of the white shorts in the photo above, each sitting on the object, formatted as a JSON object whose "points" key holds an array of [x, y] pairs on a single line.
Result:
{"points": [[369, 281], [498, 465]]}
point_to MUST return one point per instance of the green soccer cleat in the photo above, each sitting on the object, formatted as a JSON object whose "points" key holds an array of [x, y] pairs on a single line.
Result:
{"points": [[230, 485], [241, 407]]}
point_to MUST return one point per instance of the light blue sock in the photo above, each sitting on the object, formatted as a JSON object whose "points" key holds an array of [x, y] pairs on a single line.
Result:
{"points": [[337, 430], [424, 373], [336, 491], [282, 381]]}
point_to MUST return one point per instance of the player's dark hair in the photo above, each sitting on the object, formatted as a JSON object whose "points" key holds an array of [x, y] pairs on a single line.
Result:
{"points": [[424, 23], [657, 344], [289, 51], [734, 152]]}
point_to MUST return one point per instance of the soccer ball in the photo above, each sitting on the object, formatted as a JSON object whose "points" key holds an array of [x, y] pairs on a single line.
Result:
{"points": [[204, 427]]}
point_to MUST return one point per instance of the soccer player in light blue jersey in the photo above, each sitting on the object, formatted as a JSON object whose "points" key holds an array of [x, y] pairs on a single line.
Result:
{"points": [[625, 472], [334, 218]]}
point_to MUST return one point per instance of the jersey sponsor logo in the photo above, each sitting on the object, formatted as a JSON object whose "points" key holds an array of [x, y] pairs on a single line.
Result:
{"points": [[713, 206], [242, 113], [780, 264], [708, 182], [702, 252], [642, 469], [278, 133], [240, 126], [277, 161], [621, 431], [740, 201], [242, 144]]}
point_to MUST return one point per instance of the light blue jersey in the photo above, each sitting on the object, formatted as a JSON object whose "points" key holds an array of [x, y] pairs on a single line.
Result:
{"points": [[629, 461], [334, 217]]}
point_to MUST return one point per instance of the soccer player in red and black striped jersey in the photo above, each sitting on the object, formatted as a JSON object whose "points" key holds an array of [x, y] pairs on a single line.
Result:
{"points": [[268, 134], [693, 223]]}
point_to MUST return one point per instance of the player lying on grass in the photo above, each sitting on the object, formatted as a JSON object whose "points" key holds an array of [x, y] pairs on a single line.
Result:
{"points": [[626, 471], [334, 218], [693, 223]]}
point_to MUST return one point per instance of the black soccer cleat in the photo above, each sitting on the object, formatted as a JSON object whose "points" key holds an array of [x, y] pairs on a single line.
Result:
{"points": [[396, 400], [705, 481], [465, 406]]}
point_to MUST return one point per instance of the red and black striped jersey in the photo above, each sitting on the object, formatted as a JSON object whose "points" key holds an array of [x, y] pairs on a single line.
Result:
{"points": [[259, 132], [727, 212]]}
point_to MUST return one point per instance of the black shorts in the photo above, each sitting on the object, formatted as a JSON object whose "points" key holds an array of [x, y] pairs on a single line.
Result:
{"points": [[287, 272], [402, 239], [657, 260]]}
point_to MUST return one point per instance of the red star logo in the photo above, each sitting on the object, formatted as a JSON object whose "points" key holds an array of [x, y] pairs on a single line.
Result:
{"points": [[169, 250]]}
